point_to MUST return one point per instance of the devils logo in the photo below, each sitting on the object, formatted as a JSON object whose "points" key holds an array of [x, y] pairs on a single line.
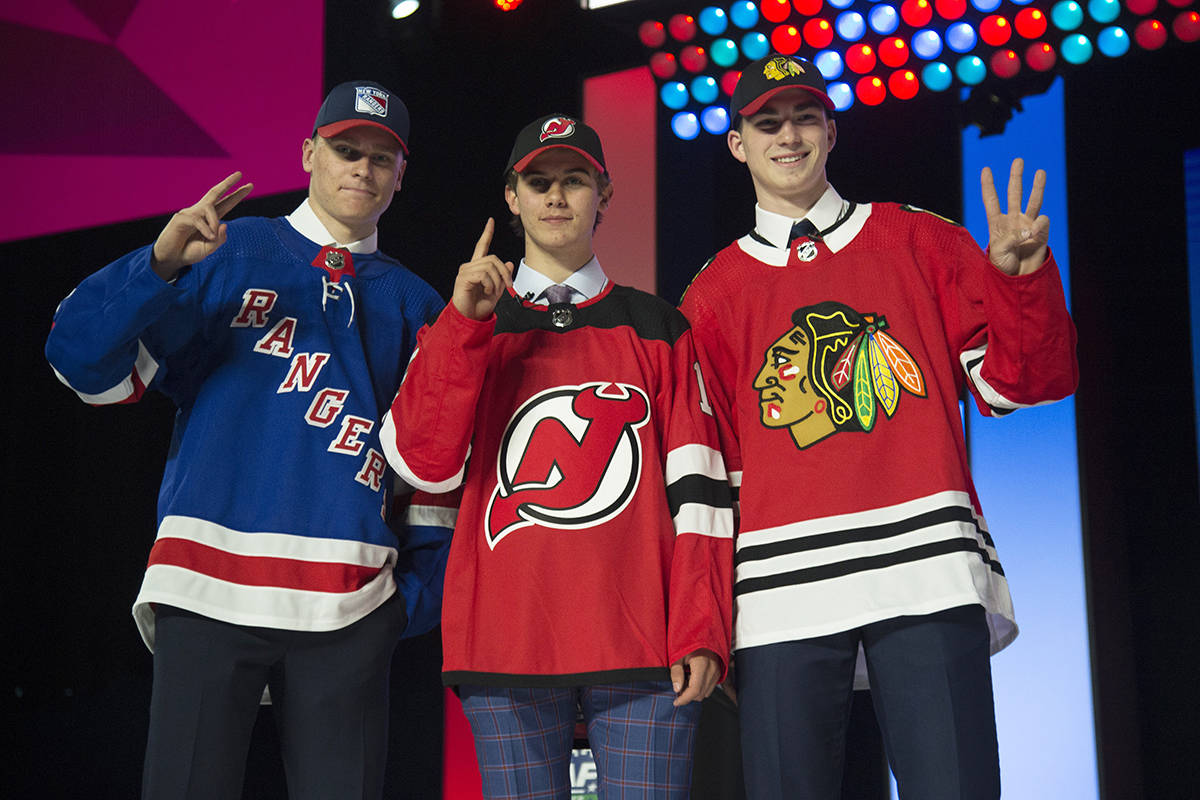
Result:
{"points": [[570, 458]]}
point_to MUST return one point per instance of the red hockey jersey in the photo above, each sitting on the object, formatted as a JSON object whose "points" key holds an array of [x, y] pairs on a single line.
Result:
{"points": [[594, 540]]}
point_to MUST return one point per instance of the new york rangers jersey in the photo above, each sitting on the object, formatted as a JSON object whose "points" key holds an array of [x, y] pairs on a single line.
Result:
{"points": [[594, 540], [836, 366], [272, 509]]}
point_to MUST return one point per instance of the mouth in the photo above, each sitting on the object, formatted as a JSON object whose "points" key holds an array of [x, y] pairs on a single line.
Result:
{"points": [[789, 159]]}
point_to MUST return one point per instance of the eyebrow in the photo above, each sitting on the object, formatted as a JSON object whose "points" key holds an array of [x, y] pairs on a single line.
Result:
{"points": [[767, 110]]}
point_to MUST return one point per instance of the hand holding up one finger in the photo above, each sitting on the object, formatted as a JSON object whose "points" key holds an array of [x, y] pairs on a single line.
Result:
{"points": [[482, 280]]}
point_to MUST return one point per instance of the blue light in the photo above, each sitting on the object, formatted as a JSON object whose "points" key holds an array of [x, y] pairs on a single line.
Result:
{"points": [[755, 46], [960, 37], [970, 70], [1076, 49], [674, 94], [830, 63], [841, 4], [850, 26], [744, 14], [715, 119], [936, 76], [841, 94], [1020, 2], [883, 19], [1066, 15], [685, 125], [927, 44], [1104, 10], [986, 6], [713, 21], [704, 89], [1113, 41], [723, 52]]}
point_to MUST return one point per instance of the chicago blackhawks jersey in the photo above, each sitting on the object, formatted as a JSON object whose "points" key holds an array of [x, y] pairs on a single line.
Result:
{"points": [[281, 358], [594, 540], [835, 367]]}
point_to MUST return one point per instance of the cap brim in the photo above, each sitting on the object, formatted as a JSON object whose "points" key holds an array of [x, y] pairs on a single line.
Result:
{"points": [[754, 105], [334, 128], [524, 162]]}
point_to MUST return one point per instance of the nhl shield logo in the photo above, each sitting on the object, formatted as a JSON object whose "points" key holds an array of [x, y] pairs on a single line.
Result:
{"points": [[369, 100], [557, 128]]}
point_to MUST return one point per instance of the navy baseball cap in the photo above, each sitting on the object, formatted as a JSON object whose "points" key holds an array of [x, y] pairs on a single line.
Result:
{"points": [[355, 103], [556, 130], [771, 75]]}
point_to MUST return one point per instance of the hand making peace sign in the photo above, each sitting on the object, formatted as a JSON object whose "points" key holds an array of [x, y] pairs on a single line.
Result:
{"points": [[196, 232]]}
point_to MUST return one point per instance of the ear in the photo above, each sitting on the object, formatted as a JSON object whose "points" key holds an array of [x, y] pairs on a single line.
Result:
{"points": [[400, 174], [605, 197], [510, 197], [307, 148], [831, 130], [736, 146]]}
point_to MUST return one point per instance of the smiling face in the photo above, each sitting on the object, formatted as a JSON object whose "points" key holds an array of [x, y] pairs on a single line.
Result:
{"points": [[353, 177], [785, 144], [786, 395]]}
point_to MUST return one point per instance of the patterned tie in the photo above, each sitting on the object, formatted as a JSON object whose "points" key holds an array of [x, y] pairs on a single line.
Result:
{"points": [[803, 227], [558, 293]]}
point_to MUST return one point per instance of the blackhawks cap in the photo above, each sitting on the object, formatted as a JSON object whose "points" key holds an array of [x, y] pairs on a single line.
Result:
{"points": [[555, 130], [772, 74], [355, 103]]}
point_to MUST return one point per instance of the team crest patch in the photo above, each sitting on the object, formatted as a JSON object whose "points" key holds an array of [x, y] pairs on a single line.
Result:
{"points": [[557, 128], [781, 67], [571, 458], [369, 100], [834, 370]]}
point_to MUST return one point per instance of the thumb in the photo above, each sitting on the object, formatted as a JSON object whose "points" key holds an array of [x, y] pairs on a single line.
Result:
{"points": [[677, 676]]}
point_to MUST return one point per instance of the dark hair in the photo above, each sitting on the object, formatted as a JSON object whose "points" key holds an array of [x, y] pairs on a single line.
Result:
{"points": [[831, 328], [603, 181], [739, 119]]}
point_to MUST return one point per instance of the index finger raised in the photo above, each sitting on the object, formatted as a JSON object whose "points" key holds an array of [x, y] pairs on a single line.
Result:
{"points": [[215, 193], [485, 240]]}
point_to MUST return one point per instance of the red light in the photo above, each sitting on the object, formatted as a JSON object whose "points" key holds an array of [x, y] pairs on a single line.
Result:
{"points": [[652, 33], [995, 30], [785, 39], [1150, 34], [809, 8], [818, 32], [693, 58], [861, 59], [1040, 56], [870, 90], [1030, 23], [729, 80], [1180, 3], [1187, 26], [916, 13], [950, 9], [893, 52], [682, 27], [775, 10], [507, 5], [1005, 63], [903, 84], [1141, 7], [663, 65]]}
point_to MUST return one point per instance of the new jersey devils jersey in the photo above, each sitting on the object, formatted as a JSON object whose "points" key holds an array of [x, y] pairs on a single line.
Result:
{"points": [[835, 368], [594, 541]]}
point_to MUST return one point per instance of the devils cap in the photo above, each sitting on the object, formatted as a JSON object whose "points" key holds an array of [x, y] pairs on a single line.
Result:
{"points": [[556, 130], [356, 103], [771, 75]]}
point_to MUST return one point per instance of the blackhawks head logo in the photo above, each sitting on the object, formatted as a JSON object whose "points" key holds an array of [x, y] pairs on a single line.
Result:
{"points": [[781, 67], [835, 370]]}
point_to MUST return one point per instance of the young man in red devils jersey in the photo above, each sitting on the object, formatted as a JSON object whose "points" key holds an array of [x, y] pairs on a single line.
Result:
{"points": [[592, 561]]}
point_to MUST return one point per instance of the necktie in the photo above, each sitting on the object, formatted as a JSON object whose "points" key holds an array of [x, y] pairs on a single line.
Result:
{"points": [[803, 227], [558, 293]]}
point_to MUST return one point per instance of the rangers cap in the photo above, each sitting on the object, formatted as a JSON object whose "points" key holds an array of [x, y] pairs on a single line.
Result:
{"points": [[556, 130], [771, 75], [355, 103]]}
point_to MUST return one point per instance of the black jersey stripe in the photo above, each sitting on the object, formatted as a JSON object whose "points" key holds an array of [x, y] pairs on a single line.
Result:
{"points": [[698, 489], [864, 564], [651, 317]]}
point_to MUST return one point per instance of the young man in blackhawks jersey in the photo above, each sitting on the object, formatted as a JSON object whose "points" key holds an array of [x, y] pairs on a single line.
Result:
{"points": [[592, 559], [838, 338], [282, 341]]}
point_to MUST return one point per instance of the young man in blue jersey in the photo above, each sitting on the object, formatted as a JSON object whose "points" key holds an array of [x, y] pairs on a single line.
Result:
{"points": [[282, 342]]}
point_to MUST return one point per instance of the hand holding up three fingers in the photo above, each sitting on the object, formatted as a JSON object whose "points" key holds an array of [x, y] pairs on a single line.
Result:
{"points": [[1016, 239]]}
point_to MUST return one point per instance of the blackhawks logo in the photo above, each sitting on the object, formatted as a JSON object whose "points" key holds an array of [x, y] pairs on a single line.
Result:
{"points": [[781, 67], [835, 370]]}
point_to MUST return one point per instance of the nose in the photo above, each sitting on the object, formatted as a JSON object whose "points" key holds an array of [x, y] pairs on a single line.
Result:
{"points": [[554, 195], [789, 132], [764, 379]]}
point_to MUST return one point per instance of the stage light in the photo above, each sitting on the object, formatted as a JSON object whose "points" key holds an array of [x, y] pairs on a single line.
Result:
{"points": [[1104, 10], [713, 21], [927, 44], [743, 14], [809, 8], [883, 19], [861, 59], [693, 58], [850, 26], [1113, 41], [1142, 8], [704, 89], [652, 33], [937, 76], [916, 13], [729, 81], [682, 27], [960, 37], [842, 4], [950, 9], [715, 119], [775, 10], [830, 65], [785, 39], [818, 32], [893, 52], [970, 70], [986, 6], [723, 52], [841, 95], [870, 90], [673, 95], [663, 65], [1076, 49], [755, 46], [903, 84], [1186, 26], [1004, 63], [1180, 3], [1040, 56], [995, 30], [406, 8], [685, 125], [1150, 34], [1030, 23], [1066, 15]]}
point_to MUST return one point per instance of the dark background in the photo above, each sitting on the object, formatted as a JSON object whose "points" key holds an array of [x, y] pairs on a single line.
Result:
{"points": [[80, 483]]}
